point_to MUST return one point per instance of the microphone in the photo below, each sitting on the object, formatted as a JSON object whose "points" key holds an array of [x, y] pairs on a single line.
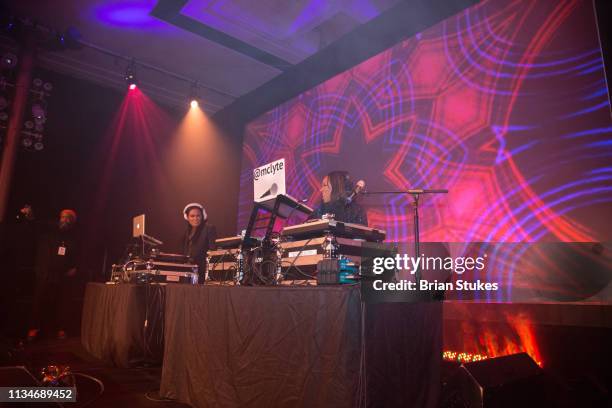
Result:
{"points": [[359, 187]]}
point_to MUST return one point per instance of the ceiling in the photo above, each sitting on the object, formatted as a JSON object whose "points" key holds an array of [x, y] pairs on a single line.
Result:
{"points": [[229, 47]]}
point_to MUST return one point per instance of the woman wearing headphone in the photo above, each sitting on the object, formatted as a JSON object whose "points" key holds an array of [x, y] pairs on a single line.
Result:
{"points": [[335, 190], [199, 236]]}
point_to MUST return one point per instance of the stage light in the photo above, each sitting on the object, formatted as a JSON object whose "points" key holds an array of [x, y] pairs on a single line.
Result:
{"points": [[39, 146], [37, 82], [194, 96], [130, 77], [27, 142], [48, 86]]}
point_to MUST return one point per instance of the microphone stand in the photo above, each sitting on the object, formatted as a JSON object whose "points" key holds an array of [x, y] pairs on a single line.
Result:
{"points": [[416, 193]]}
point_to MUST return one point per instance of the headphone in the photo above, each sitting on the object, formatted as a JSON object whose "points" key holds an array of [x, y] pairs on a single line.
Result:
{"points": [[194, 205]]}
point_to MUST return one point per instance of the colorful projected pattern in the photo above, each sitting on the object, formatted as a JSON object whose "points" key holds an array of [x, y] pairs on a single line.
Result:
{"points": [[504, 104]]}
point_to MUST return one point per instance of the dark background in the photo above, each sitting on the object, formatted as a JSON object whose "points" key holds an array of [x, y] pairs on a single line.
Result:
{"points": [[68, 172]]}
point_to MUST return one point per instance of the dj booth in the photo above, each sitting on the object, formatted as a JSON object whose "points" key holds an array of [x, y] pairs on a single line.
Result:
{"points": [[271, 346], [253, 336]]}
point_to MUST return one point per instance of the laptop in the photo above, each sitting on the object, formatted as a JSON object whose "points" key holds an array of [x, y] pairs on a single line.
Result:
{"points": [[269, 185], [269, 181], [138, 226]]}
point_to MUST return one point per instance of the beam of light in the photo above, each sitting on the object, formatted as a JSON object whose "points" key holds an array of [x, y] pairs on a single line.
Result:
{"points": [[128, 158], [198, 162]]}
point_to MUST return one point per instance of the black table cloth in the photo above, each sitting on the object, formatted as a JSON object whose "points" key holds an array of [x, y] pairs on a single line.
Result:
{"points": [[298, 347], [123, 324]]}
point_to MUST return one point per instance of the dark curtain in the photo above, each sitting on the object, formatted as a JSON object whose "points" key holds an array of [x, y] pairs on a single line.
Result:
{"points": [[113, 323], [298, 347]]}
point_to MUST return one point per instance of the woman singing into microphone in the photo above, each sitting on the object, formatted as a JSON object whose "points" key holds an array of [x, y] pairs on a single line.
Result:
{"points": [[336, 190]]}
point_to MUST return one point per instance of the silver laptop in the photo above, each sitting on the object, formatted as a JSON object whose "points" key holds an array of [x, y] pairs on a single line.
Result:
{"points": [[138, 226], [269, 181]]}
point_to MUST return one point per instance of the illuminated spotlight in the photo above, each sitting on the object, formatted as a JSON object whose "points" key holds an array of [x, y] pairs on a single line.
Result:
{"points": [[130, 77], [194, 95]]}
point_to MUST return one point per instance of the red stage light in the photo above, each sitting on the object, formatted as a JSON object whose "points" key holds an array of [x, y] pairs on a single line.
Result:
{"points": [[132, 87]]}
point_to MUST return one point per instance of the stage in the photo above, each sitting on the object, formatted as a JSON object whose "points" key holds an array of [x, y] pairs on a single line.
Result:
{"points": [[178, 176], [280, 346]]}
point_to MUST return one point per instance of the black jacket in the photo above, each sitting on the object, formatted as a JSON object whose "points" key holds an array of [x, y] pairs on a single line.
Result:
{"points": [[196, 247], [352, 213], [51, 263]]}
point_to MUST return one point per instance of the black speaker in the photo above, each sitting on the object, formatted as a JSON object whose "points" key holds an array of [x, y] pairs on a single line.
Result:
{"points": [[508, 381]]}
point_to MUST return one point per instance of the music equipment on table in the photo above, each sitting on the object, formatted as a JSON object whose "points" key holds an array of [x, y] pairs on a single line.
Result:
{"points": [[168, 257], [138, 226], [138, 231], [282, 205], [336, 271], [300, 259], [319, 228], [229, 242], [286, 206], [222, 264], [138, 270]]}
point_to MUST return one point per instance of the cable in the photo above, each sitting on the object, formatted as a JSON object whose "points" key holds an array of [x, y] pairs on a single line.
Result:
{"points": [[214, 265], [153, 319], [362, 379], [162, 399], [300, 271], [292, 265], [94, 379]]}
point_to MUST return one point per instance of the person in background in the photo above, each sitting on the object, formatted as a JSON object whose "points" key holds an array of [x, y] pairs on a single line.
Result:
{"points": [[199, 236], [336, 188], [56, 271]]}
